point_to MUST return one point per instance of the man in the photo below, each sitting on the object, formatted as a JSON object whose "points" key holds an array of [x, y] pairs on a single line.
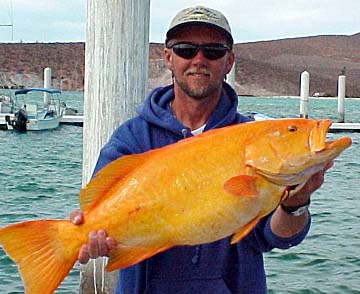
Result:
{"points": [[199, 54]]}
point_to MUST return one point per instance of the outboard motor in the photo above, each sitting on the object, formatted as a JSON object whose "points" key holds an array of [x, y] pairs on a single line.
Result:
{"points": [[20, 121]]}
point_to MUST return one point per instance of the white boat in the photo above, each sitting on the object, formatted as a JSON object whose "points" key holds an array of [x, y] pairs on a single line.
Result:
{"points": [[6, 104], [7, 109], [31, 115]]}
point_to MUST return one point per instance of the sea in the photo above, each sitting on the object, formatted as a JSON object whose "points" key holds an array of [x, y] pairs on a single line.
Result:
{"points": [[40, 177]]}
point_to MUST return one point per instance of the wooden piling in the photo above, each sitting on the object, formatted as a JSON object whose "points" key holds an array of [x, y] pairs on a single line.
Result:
{"points": [[116, 71], [47, 84], [304, 94], [341, 98]]}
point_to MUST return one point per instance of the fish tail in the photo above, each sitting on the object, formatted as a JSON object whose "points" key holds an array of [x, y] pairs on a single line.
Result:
{"points": [[44, 251]]}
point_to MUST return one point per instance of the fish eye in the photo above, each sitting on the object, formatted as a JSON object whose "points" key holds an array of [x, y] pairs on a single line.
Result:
{"points": [[292, 128]]}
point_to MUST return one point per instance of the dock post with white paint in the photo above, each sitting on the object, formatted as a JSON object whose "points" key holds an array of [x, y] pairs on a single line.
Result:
{"points": [[116, 63], [341, 98], [47, 85], [304, 94]]}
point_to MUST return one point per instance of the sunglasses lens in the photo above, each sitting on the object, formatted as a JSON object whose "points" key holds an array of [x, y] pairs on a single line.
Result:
{"points": [[186, 51], [210, 51], [214, 52]]}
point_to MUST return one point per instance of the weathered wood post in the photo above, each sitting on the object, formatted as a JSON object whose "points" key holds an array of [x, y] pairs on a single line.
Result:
{"points": [[116, 71], [341, 98], [304, 94]]}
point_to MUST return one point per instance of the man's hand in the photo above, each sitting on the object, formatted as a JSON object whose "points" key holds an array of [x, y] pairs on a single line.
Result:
{"points": [[285, 225], [314, 183], [99, 244]]}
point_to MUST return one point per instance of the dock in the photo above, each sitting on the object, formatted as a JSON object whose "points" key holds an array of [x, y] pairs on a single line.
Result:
{"points": [[345, 127], [77, 120], [73, 120]]}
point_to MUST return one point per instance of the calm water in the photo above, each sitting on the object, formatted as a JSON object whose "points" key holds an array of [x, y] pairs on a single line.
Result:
{"points": [[40, 177]]}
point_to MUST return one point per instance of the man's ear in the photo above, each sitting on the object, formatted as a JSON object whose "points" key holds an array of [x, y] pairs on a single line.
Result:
{"points": [[230, 61], [168, 58]]}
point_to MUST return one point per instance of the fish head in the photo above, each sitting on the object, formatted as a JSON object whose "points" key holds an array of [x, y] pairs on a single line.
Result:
{"points": [[288, 152]]}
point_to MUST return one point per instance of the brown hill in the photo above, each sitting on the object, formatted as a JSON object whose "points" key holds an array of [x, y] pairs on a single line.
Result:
{"points": [[23, 64], [275, 66], [262, 68]]}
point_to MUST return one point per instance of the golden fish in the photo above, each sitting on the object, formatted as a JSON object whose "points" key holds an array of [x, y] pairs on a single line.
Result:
{"points": [[198, 190]]}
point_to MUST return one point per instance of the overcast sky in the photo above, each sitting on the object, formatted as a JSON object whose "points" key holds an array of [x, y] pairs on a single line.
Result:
{"points": [[255, 20]]}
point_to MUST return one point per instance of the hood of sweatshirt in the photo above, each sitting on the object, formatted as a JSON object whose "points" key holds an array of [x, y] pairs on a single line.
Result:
{"points": [[156, 110]]}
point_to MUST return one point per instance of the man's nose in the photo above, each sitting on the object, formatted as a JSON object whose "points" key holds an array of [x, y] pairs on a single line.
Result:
{"points": [[199, 57]]}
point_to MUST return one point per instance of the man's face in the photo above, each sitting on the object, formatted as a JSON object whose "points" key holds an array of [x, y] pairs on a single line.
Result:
{"points": [[198, 77]]}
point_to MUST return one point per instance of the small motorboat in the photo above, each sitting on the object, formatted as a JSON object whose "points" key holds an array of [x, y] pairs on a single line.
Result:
{"points": [[31, 115]]}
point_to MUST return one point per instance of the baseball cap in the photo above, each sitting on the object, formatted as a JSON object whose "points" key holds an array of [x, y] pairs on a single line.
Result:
{"points": [[199, 15]]}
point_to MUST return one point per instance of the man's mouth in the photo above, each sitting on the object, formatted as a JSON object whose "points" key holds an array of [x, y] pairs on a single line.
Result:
{"points": [[205, 73]]}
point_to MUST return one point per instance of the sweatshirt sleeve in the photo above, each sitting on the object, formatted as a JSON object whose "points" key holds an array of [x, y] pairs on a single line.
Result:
{"points": [[265, 240], [122, 142], [285, 243]]}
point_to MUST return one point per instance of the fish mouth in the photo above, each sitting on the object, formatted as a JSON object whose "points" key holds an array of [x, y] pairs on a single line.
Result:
{"points": [[296, 175], [318, 134], [293, 180], [333, 148]]}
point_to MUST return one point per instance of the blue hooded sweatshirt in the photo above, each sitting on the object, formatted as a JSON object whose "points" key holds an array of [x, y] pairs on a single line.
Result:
{"points": [[215, 268]]}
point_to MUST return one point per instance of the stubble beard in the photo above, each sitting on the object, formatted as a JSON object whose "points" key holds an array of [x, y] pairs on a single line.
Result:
{"points": [[198, 91]]}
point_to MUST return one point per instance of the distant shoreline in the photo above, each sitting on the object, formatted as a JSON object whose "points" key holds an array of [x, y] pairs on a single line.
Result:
{"points": [[298, 97], [3, 91]]}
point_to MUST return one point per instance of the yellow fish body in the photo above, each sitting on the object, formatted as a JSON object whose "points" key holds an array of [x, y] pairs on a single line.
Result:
{"points": [[196, 191]]}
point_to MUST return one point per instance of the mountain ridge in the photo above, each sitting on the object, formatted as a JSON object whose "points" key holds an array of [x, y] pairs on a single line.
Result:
{"points": [[263, 68]]}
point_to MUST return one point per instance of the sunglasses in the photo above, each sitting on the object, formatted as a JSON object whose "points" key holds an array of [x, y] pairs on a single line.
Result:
{"points": [[211, 51]]}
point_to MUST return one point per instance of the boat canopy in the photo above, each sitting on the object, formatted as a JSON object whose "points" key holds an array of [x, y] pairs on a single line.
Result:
{"points": [[25, 91]]}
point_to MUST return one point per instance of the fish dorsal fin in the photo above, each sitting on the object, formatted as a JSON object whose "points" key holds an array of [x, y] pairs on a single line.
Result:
{"points": [[108, 176], [245, 230], [243, 185]]}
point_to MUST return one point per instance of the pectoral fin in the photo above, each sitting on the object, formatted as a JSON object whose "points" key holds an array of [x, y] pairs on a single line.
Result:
{"points": [[245, 230], [242, 185]]}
